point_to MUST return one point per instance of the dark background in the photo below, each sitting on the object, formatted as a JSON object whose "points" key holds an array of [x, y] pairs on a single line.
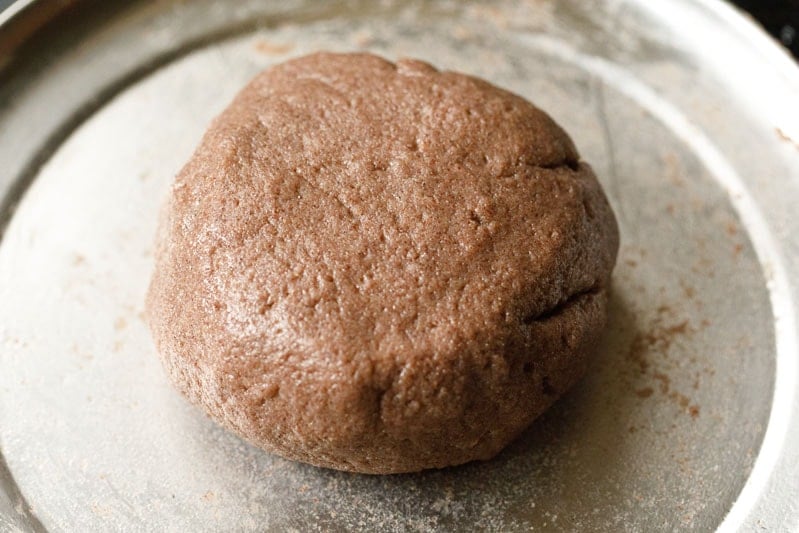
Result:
{"points": [[779, 17]]}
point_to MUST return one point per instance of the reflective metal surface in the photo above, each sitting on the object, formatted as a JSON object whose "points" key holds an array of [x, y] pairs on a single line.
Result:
{"points": [[689, 417]]}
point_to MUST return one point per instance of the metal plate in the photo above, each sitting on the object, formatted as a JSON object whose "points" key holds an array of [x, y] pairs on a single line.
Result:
{"points": [[689, 418]]}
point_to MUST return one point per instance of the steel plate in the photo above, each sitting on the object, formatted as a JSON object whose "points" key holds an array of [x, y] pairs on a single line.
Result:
{"points": [[689, 417]]}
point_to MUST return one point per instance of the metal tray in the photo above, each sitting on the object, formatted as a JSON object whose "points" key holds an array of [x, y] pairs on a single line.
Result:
{"points": [[689, 418]]}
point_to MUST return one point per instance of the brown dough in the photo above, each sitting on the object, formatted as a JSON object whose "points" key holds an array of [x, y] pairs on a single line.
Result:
{"points": [[380, 268]]}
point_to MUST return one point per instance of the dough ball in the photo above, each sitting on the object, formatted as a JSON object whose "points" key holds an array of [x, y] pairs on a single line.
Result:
{"points": [[380, 267]]}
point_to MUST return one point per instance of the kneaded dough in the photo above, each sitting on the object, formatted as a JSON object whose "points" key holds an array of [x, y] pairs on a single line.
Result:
{"points": [[380, 267]]}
